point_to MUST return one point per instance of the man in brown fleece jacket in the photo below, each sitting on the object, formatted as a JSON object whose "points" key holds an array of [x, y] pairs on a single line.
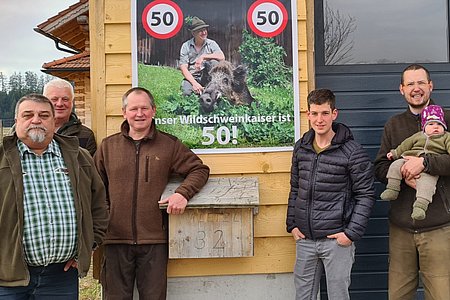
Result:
{"points": [[135, 165]]}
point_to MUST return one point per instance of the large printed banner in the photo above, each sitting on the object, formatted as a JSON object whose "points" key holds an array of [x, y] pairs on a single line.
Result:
{"points": [[249, 101]]}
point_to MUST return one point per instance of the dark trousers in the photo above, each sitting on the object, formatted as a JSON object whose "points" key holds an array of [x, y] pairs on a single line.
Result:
{"points": [[125, 264], [50, 282]]}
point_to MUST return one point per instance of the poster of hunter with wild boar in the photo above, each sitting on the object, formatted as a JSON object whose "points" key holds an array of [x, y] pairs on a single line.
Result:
{"points": [[223, 72]]}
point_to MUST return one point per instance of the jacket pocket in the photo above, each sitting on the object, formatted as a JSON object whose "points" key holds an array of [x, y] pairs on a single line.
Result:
{"points": [[147, 168]]}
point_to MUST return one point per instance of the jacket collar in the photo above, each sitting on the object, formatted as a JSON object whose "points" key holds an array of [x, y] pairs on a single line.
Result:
{"points": [[342, 135], [73, 120], [68, 142], [125, 129]]}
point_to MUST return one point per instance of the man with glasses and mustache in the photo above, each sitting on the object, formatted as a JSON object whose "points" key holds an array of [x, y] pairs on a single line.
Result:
{"points": [[52, 207], [416, 245]]}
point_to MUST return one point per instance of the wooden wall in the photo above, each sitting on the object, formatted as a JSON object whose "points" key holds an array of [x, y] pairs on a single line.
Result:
{"points": [[111, 76]]}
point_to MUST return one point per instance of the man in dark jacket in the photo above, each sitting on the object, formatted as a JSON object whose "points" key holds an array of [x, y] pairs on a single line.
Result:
{"points": [[416, 245], [330, 200], [52, 207], [135, 165], [62, 95]]}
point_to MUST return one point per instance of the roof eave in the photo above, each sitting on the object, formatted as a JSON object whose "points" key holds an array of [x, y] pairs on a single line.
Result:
{"points": [[58, 41]]}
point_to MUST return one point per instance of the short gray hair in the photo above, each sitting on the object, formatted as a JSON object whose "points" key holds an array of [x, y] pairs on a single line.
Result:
{"points": [[59, 83], [138, 90], [38, 98]]}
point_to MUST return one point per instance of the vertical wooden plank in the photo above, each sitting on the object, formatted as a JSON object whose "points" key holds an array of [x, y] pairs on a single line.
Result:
{"points": [[98, 70], [97, 87], [309, 6]]}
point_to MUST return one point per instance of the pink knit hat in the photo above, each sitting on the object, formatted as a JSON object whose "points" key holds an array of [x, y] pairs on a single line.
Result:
{"points": [[433, 113]]}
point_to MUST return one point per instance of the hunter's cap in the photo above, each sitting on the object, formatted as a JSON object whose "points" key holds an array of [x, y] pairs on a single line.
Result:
{"points": [[196, 24]]}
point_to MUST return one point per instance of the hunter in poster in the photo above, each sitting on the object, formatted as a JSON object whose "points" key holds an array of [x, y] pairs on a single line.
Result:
{"points": [[223, 73]]}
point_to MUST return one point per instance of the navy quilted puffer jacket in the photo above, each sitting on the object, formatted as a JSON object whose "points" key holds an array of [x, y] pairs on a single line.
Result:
{"points": [[331, 191]]}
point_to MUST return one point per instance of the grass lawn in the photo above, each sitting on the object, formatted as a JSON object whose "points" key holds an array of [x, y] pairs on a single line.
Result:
{"points": [[90, 288]]}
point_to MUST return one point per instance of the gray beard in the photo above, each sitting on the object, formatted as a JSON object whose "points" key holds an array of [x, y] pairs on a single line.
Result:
{"points": [[36, 135]]}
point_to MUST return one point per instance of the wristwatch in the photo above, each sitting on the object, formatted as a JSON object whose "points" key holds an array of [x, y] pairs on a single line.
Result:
{"points": [[425, 164]]}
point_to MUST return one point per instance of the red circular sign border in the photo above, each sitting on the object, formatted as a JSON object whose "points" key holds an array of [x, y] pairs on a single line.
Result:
{"points": [[262, 33], [155, 34]]}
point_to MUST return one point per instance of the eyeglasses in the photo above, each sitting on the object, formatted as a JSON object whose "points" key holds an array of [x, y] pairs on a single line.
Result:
{"points": [[420, 83]]}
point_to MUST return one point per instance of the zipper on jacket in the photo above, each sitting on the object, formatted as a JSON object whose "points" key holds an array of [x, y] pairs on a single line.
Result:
{"points": [[147, 166], [135, 191], [310, 202]]}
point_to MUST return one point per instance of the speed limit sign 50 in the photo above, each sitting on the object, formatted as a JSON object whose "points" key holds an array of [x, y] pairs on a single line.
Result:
{"points": [[162, 19], [267, 18]]}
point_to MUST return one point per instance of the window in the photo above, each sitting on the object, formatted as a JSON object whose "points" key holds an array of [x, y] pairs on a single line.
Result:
{"points": [[385, 31]]}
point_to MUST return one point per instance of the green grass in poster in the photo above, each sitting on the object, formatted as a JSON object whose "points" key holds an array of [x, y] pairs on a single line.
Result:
{"points": [[273, 103]]}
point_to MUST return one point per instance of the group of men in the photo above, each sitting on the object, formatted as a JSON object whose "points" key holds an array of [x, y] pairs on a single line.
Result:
{"points": [[61, 197], [58, 203]]}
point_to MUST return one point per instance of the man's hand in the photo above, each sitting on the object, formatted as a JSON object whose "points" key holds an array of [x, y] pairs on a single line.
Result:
{"points": [[412, 182], [198, 63], [389, 155], [412, 167], [341, 239], [71, 263], [297, 234], [176, 204], [197, 88]]}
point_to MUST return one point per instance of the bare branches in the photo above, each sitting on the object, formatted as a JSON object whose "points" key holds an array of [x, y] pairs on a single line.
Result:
{"points": [[337, 36]]}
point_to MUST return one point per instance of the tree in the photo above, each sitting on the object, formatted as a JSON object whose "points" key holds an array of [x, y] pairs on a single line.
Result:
{"points": [[18, 85], [3, 82], [337, 36], [31, 82]]}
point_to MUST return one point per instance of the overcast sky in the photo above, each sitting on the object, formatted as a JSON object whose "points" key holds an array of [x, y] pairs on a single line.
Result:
{"points": [[21, 48]]}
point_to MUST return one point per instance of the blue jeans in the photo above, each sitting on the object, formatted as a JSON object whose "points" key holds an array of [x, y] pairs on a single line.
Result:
{"points": [[315, 257], [50, 282]]}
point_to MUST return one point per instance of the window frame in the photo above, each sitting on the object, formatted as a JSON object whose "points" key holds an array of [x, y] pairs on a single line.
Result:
{"points": [[320, 55]]}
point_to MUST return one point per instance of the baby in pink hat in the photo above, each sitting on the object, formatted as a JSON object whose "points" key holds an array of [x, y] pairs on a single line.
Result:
{"points": [[433, 139]]}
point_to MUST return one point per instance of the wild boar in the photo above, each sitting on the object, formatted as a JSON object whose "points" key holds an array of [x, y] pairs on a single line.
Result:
{"points": [[226, 81]]}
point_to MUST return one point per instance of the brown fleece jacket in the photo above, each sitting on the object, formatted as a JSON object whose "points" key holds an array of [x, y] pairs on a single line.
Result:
{"points": [[136, 174]]}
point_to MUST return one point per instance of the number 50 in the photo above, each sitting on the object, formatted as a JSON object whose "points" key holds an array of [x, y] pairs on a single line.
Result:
{"points": [[223, 135]]}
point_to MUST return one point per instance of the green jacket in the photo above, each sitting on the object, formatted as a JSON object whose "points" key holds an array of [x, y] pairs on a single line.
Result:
{"points": [[419, 144], [90, 204]]}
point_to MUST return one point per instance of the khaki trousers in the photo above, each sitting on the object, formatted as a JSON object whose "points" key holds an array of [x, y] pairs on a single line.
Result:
{"points": [[427, 252]]}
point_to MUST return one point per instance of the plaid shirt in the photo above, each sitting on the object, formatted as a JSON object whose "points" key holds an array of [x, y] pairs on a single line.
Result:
{"points": [[50, 223]]}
